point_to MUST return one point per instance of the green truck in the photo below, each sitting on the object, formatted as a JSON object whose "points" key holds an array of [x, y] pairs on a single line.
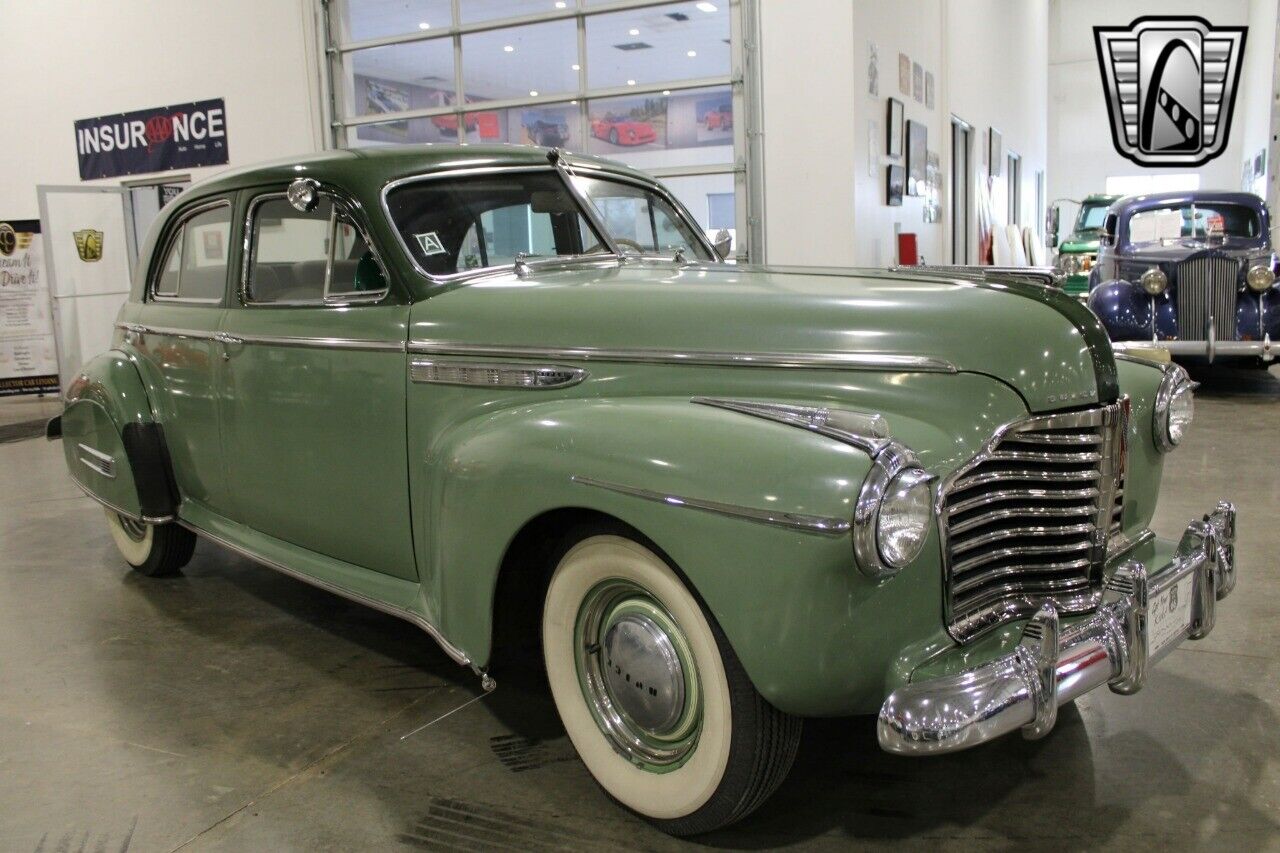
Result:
{"points": [[1078, 251]]}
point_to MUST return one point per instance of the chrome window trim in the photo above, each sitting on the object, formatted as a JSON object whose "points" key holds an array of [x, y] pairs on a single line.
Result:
{"points": [[341, 300], [791, 521], [270, 340], [541, 377], [701, 358], [451, 650], [865, 430], [180, 229]]}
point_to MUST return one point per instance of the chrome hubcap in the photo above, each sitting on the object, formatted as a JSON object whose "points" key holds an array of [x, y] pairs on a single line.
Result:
{"points": [[135, 530], [638, 676]]}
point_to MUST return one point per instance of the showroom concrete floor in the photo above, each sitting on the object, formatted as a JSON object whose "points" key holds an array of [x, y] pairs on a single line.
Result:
{"points": [[233, 708]]}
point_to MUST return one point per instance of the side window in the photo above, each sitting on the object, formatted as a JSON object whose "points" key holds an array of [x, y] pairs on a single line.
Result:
{"points": [[195, 265], [309, 256]]}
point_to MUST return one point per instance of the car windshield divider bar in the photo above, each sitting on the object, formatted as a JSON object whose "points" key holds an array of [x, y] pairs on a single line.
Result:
{"points": [[562, 98], [557, 159], [496, 24]]}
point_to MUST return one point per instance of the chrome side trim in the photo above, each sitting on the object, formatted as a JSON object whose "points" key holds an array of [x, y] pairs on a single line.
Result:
{"points": [[270, 340], [489, 375], [451, 650], [146, 519], [866, 431], [97, 461], [702, 358], [791, 521]]}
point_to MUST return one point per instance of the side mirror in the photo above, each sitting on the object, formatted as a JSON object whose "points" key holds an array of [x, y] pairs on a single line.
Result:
{"points": [[723, 243], [1051, 224]]}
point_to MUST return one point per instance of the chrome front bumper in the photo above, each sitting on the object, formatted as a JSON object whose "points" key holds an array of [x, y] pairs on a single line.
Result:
{"points": [[1053, 665], [1265, 349]]}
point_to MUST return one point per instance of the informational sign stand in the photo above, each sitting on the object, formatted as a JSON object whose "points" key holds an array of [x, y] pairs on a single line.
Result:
{"points": [[28, 354], [90, 248]]}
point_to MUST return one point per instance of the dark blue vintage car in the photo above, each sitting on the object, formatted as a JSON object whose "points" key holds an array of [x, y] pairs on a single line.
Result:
{"points": [[1192, 271]]}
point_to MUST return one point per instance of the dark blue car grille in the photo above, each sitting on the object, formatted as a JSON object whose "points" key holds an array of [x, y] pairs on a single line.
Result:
{"points": [[1206, 289]]}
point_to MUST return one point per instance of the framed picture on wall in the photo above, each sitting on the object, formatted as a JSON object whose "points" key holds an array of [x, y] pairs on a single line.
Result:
{"points": [[917, 156], [995, 152], [893, 143], [904, 74], [894, 183], [928, 89], [917, 82]]}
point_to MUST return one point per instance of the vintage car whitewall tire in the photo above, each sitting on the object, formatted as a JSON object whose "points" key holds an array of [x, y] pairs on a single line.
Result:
{"points": [[151, 549], [702, 761]]}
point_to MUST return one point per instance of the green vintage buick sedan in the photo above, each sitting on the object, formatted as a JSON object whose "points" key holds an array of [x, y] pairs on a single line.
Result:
{"points": [[506, 392]]}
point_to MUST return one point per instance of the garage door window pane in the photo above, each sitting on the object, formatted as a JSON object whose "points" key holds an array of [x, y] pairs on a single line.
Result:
{"points": [[520, 62], [657, 44], [369, 19], [401, 77], [204, 254]]}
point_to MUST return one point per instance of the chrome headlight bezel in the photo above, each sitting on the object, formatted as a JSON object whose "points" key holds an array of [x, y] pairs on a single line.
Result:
{"points": [[1175, 383], [890, 464], [1259, 277], [1154, 281], [1069, 263]]}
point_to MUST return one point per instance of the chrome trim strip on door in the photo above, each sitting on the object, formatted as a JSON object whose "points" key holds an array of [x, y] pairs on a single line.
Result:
{"points": [[270, 340], [789, 520], [451, 650], [98, 461], [491, 375], [705, 358]]}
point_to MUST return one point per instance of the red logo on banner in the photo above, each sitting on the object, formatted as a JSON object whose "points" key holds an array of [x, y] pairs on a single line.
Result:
{"points": [[159, 129]]}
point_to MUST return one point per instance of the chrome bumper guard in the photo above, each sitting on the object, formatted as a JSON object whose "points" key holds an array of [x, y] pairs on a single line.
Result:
{"points": [[1053, 664], [1266, 349]]}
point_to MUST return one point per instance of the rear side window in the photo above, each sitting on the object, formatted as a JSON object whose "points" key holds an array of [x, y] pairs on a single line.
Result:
{"points": [[309, 257], [195, 264]]}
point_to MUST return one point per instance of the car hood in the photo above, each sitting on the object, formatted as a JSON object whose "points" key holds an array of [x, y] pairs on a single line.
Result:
{"points": [[1079, 243], [1043, 343]]}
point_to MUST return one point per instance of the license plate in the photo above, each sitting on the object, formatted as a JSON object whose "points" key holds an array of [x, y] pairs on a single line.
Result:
{"points": [[1169, 616]]}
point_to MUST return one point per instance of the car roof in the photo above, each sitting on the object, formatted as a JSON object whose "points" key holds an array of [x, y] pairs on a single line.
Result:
{"points": [[1135, 203], [383, 164]]}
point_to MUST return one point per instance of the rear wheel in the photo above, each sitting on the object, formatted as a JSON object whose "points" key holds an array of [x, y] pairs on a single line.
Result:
{"points": [[654, 699], [154, 550]]}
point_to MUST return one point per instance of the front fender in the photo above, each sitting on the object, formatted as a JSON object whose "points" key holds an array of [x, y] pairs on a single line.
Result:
{"points": [[113, 447], [1124, 309]]}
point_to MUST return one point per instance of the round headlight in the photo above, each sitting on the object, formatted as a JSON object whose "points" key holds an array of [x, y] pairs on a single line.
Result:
{"points": [[1174, 408], [1154, 281], [1259, 277], [903, 522], [1070, 264]]}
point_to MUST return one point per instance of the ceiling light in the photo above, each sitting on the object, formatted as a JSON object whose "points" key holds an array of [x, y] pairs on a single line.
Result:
{"points": [[533, 93], [633, 31], [509, 48], [424, 26], [692, 53], [575, 103], [707, 7], [576, 67], [631, 82], [560, 4], [666, 91]]}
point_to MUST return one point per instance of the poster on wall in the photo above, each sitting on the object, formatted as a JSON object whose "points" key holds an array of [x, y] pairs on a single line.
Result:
{"points": [[28, 357], [383, 97], [159, 139]]}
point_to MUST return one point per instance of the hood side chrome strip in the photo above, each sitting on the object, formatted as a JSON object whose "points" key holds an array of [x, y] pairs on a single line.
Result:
{"points": [[866, 431], [789, 520]]}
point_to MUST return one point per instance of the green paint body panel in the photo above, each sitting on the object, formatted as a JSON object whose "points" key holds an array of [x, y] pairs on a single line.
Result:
{"points": [[333, 463]]}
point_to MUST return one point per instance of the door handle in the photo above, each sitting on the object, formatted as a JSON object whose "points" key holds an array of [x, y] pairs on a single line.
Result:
{"points": [[227, 341]]}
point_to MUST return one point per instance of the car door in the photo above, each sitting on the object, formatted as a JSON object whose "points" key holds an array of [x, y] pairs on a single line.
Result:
{"points": [[313, 389], [173, 334]]}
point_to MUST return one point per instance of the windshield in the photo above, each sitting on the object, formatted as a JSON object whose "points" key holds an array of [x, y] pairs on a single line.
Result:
{"points": [[452, 225], [641, 221], [1091, 216], [1193, 221]]}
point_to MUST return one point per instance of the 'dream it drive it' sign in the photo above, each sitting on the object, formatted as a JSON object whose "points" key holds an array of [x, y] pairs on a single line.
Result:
{"points": [[160, 139]]}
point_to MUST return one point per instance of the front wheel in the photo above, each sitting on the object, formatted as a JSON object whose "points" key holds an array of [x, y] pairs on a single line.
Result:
{"points": [[653, 698], [154, 550]]}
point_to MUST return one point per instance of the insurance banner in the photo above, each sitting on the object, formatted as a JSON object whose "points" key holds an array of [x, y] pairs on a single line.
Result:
{"points": [[28, 357], [160, 139]]}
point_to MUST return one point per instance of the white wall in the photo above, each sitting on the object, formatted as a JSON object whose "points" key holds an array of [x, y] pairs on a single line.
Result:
{"points": [[824, 173], [66, 60], [1081, 154], [1253, 108]]}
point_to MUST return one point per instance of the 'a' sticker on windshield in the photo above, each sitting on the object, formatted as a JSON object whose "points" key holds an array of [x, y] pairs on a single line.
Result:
{"points": [[430, 243]]}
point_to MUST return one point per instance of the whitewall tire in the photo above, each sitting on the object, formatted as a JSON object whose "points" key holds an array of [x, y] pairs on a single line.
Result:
{"points": [[154, 550], [651, 694]]}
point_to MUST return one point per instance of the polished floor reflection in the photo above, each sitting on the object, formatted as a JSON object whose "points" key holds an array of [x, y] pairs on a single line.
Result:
{"points": [[233, 708]]}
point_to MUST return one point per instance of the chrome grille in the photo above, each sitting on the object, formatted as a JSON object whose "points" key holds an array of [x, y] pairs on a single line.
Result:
{"points": [[1028, 519], [1206, 289]]}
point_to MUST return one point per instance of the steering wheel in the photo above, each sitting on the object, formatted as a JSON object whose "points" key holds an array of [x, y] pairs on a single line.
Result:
{"points": [[632, 244]]}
